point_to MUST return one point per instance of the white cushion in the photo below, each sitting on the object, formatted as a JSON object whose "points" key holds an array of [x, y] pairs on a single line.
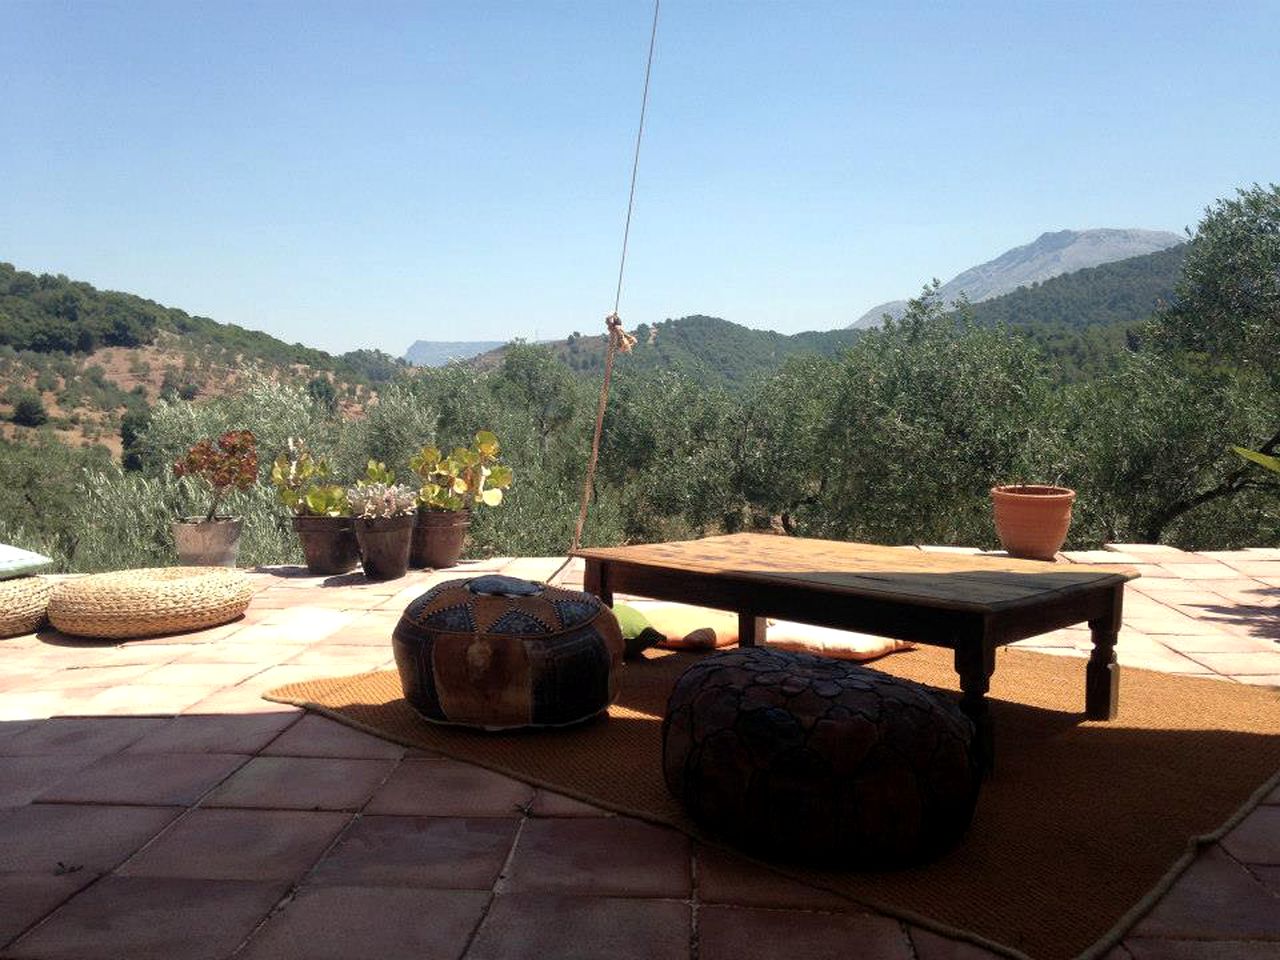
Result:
{"points": [[16, 562]]}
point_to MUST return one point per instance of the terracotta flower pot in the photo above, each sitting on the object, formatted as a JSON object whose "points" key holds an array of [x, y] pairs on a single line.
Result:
{"points": [[207, 543], [328, 543], [1032, 519], [384, 545], [439, 537]]}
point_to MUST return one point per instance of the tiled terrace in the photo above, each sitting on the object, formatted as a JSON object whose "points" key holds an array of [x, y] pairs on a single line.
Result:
{"points": [[152, 805]]}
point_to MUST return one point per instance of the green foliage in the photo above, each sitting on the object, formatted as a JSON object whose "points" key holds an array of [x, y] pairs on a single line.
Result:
{"points": [[52, 314], [781, 450], [275, 410], [376, 471], [931, 412], [1144, 445], [321, 390], [296, 475], [394, 427], [1227, 303], [468, 477], [28, 408]]}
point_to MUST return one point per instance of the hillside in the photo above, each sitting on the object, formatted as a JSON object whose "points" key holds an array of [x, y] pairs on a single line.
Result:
{"points": [[53, 314], [710, 348], [1050, 255], [75, 360], [1081, 320], [436, 353]]}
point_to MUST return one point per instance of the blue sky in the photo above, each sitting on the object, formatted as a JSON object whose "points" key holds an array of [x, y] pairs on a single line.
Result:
{"points": [[356, 175]]}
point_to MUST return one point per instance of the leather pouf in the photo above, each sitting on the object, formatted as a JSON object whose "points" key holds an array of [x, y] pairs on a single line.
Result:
{"points": [[813, 760], [499, 653]]}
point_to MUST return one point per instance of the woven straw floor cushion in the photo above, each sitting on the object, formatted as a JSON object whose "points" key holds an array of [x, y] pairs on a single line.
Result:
{"points": [[499, 653], [149, 602], [23, 603]]}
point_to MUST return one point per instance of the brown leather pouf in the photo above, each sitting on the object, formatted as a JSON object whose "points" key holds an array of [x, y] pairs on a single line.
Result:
{"points": [[498, 653], [808, 759]]}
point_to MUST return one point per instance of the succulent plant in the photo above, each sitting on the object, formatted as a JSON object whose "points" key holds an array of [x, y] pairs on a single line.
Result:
{"points": [[297, 477], [230, 463], [375, 501], [466, 477]]}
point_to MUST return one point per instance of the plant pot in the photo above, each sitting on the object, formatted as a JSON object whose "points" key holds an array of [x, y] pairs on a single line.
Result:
{"points": [[439, 536], [328, 543], [1032, 519], [384, 545], [207, 543]]}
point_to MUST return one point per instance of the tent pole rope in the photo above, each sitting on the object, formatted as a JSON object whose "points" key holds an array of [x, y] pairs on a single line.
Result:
{"points": [[619, 339]]}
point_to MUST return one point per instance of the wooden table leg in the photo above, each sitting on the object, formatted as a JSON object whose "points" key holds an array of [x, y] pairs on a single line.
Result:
{"points": [[975, 661], [595, 579], [1102, 676], [751, 630]]}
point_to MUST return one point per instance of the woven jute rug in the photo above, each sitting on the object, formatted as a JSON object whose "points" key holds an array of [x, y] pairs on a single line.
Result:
{"points": [[1081, 827]]}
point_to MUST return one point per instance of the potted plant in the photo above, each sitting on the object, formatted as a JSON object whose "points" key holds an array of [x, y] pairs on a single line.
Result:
{"points": [[451, 487], [321, 513], [384, 513], [1032, 519], [230, 463]]}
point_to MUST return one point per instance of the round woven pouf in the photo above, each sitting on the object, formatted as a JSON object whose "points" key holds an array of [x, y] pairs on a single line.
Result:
{"points": [[499, 653], [814, 760], [23, 603], [148, 603]]}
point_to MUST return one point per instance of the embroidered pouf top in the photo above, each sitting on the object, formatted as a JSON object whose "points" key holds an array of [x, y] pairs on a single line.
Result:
{"points": [[500, 653]]}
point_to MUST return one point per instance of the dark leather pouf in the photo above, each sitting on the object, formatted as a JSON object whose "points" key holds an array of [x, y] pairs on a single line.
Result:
{"points": [[497, 652], [809, 759]]}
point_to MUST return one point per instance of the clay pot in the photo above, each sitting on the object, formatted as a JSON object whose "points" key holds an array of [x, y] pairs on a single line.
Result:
{"points": [[384, 545], [207, 543], [1032, 519], [439, 536], [328, 543]]}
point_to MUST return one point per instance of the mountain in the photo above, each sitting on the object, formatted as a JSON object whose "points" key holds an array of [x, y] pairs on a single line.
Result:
{"points": [[1050, 255], [715, 350], [1123, 291], [437, 353]]}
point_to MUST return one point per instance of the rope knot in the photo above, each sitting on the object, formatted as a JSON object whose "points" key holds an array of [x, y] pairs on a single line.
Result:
{"points": [[624, 341]]}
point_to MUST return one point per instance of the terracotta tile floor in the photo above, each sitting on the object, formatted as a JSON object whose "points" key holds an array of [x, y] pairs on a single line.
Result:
{"points": [[153, 805]]}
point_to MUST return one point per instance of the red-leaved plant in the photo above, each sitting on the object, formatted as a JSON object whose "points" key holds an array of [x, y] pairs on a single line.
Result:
{"points": [[230, 464]]}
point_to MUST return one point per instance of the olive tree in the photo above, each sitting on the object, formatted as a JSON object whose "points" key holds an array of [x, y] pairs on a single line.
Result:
{"points": [[929, 413]]}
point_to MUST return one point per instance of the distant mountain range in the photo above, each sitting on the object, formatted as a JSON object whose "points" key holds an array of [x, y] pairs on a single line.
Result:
{"points": [[437, 353], [1050, 255], [1082, 320]]}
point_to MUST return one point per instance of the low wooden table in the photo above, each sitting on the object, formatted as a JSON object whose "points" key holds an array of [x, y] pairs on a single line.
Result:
{"points": [[970, 604]]}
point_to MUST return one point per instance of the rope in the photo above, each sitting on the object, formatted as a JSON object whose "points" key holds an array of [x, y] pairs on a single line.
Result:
{"points": [[619, 339]]}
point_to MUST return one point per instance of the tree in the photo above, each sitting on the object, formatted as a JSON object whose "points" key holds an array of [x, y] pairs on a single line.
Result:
{"points": [[929, 412], [28, 409], [320, 388], [1227, 305], [1225, 318], [534, 380]]}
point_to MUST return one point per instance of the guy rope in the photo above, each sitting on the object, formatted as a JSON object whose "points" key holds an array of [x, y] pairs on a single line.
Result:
{"points": [[619, 339]]}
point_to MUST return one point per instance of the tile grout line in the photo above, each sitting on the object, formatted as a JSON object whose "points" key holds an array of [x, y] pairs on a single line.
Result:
{"points": [[500, 880], [291, 893], [111, 871]]}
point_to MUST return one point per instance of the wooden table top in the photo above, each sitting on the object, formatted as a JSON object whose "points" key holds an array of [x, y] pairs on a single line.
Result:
{"points": [[942, 580]]}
